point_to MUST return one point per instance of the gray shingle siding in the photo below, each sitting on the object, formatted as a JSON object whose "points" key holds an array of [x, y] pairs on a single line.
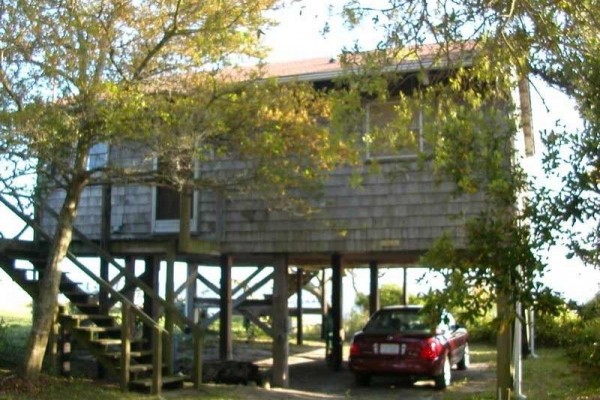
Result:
{"points": [[389, 211]]}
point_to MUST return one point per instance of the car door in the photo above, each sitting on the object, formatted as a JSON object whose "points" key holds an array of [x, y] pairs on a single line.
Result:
{"points": [[456, 336]]}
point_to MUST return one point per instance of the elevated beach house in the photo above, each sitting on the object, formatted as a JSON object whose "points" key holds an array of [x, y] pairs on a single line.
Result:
{"points": [[390, 217]]}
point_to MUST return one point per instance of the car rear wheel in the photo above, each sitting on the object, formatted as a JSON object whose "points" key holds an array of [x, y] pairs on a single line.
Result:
{"points": [[443, 380], [465, 362], [362, 379]]}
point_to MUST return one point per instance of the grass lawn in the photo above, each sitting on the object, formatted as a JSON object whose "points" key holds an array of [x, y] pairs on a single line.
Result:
{"points": [[553, 376], [550, 376]]}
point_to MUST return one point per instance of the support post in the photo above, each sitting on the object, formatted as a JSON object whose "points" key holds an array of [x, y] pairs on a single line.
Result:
{"points": [[280, 322], [225, 340], [531, 324], [157, 361], [191, 292], [198, 346], [65, 352], [299, 310], [324, 309], [374, 287], [103, 299], [150, 278], [104, 243], [517, 354], [125, 345], [169, 317], [336, 312], [130, 267]]}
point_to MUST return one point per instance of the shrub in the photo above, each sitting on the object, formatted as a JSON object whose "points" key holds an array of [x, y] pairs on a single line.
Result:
{"points": [[553, 330], [482, 330], [356, 321], [591, 309], [583, 343], [576, 332], [13, 338]]}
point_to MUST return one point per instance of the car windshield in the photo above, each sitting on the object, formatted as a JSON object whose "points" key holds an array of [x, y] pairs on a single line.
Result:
{"points": [[398, 320]]}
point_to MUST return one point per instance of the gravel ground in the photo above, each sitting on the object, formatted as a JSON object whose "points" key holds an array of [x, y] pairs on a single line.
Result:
{"points": [[310, 378]]}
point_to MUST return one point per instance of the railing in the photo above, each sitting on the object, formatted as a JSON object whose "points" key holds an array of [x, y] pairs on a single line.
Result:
{"points": [[181, 320], [129, 307]]}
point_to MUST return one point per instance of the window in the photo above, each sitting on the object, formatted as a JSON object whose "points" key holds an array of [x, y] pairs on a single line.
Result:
{"points": [[401, 320], [393, 131], [168, 204], [167, 207], [98, 156]]}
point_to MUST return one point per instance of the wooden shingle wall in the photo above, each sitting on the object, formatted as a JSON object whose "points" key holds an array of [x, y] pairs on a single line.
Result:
{"points": [[401, 209], [131, 211]]}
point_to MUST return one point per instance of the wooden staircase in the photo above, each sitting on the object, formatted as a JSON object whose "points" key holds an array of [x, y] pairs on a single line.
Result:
{"points": [[136, 358], [98, 332]]}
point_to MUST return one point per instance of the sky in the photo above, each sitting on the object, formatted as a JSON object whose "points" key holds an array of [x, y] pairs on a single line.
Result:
{"points": [[298, 36]]}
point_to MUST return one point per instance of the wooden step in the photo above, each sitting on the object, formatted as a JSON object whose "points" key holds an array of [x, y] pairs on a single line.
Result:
{"points": [[66, 285], [76, 292], [90, 302], [94, 331], [98, 319], [99, 329], [86, 308], [168, 382], [133, 353], [142, 367], [107, 342], [91, 317]]}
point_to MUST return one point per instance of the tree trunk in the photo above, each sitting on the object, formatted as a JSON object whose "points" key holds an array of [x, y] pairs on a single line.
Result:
{"points": [[45, 306], [504, 375]]}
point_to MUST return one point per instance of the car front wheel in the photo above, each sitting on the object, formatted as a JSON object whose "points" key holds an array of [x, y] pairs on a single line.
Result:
{"points": [[443, 380]]}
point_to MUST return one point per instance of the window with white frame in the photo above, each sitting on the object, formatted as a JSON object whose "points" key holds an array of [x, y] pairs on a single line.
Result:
{"points": [[98, 156], [166, 204], [393, 131]]}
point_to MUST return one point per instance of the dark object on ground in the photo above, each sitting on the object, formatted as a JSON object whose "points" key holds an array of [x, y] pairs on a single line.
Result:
{"points": [[15, 385], [231, 372]]}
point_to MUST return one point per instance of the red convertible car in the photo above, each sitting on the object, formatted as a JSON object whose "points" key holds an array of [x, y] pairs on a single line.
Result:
{"points": [[399, 341]]}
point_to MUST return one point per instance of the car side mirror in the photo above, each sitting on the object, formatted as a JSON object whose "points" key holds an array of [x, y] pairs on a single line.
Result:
{"points": [[440, 330]]}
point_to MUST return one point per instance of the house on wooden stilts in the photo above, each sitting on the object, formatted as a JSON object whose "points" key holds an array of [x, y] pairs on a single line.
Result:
{"points": [[390, 219]]}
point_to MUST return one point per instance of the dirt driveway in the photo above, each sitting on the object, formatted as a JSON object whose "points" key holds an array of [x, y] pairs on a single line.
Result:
{"points": [[310, 378]]}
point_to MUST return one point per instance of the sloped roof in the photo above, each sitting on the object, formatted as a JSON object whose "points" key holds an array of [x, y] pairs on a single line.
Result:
{"points": [[410, 60], [312, 66]]}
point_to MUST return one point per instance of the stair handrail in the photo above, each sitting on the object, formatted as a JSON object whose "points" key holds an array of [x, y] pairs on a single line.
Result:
{"points": [[180, 319], [145, 317]]}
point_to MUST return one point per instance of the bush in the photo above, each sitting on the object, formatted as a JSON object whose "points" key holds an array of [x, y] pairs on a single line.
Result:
{"points": [[553, 330], [577, 333], [591, 309], [13, 338], [583, 343], [482, 330], [356, 321]]}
